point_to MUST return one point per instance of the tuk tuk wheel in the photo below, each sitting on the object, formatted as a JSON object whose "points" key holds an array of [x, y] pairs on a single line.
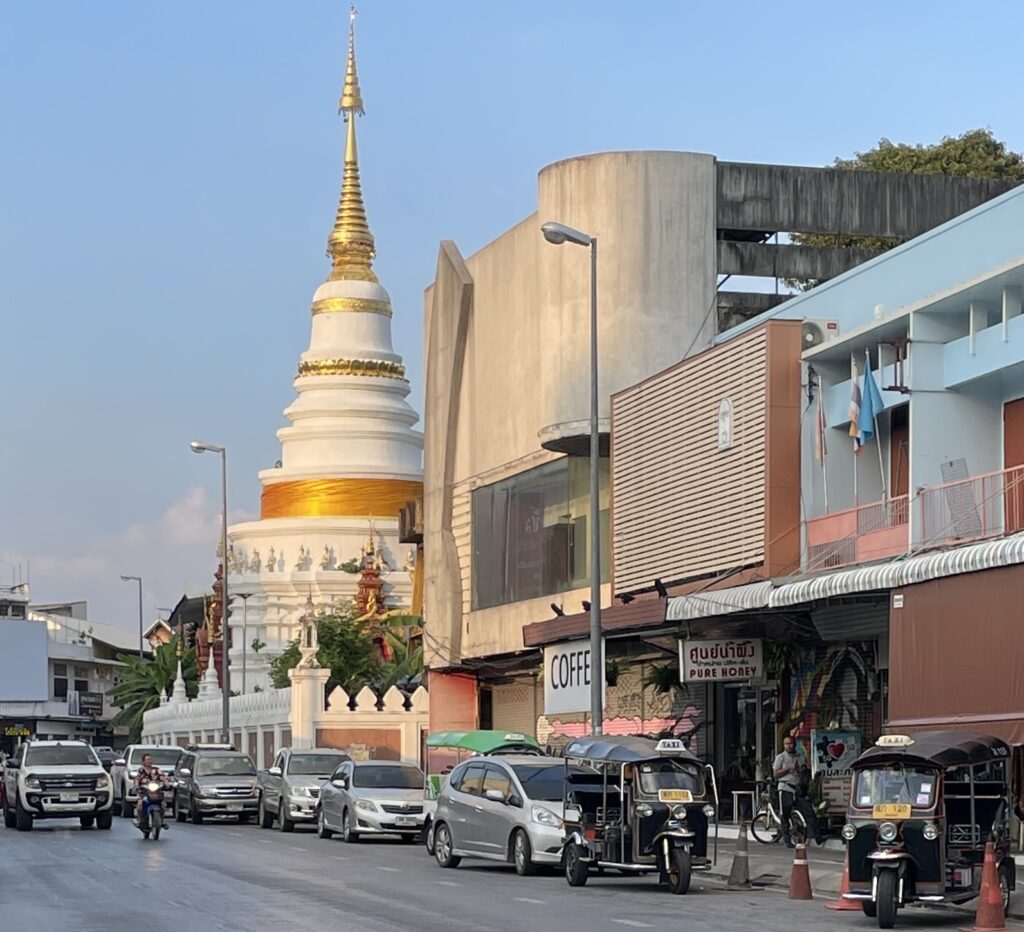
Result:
{"points": [[576, 869], [870, 910], [1004, 887], [679, 871], [885, 899]]}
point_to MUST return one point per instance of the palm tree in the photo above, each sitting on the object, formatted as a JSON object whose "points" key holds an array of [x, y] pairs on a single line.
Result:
{"points": [[144, 680], [406, 663]]}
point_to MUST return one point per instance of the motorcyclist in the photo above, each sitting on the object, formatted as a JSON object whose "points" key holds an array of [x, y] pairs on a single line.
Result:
{"points": [[147, 773]]}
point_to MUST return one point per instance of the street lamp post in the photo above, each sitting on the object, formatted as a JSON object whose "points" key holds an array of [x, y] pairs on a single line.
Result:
{"points": [[200, 447], [557, 234], [137, 579]]}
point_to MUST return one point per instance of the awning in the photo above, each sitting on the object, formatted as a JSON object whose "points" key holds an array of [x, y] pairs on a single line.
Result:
{"points": [[1006, 551], [712, 602]]}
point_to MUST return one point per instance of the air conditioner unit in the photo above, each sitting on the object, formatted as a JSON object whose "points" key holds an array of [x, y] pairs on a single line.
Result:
{"points": [[815, 332]]}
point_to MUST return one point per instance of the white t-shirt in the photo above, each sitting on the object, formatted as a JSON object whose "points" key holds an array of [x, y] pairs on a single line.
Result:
{"points": [[789, 780]]}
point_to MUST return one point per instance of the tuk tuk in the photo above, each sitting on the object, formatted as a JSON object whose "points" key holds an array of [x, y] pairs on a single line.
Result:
{"points": [[638, 807], [445, 749], [921, 810]]}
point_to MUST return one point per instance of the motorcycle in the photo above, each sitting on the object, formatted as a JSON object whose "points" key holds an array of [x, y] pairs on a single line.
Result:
{"points": [[151, 820]]}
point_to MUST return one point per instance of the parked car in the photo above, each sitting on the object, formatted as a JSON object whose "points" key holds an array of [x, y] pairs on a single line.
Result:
{"points": [[56, 780], [126, 766], [213, 780], [375, 797], [289, 789], [106, 754], [502, 809]]}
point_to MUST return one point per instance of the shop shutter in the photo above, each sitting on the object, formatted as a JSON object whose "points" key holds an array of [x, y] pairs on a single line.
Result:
{"points": [[517, 705]]}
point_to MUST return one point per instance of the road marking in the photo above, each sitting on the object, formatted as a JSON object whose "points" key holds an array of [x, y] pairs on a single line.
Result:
{"points": [[264, 841], [634, 922], [296, 847], [449, 883], [528, 899], [393, 870], [339, 857], [236, 834]]}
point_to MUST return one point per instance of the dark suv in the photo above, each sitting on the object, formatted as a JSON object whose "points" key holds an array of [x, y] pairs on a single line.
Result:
{"points": [[214, 780]]}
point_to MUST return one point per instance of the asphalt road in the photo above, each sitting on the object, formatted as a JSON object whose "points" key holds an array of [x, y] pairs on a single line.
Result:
{"points": [[239, 877]]}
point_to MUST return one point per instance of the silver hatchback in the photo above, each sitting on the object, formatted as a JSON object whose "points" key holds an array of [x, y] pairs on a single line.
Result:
{"points": [[505, 808]]}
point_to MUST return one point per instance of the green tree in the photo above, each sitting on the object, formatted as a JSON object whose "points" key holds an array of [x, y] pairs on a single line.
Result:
{"points": [[144, 680], [406, 662], [976, 153], [346, 649]]}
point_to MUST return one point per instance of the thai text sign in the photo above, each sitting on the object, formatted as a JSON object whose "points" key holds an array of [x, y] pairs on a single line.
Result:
{"points": [[568, 670], [832, 756], [721, 661]]}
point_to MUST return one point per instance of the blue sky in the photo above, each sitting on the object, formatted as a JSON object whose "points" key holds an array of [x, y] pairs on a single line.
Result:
{"points": [[169, 175]]}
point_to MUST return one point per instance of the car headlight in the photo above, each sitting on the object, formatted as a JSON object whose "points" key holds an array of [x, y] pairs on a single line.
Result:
{"points": [[887, 831], [930, 831], [643, 810], [545, 816], [32, 783], [103, 782], [708, 810], [367, 805], [849, 832], [301, 791], [679, 812], [131, 774], [205, 791]]}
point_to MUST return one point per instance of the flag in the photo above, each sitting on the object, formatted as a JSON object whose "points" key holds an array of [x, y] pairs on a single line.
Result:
{"points": [[872, 403], [820, 446], [855, 407]]}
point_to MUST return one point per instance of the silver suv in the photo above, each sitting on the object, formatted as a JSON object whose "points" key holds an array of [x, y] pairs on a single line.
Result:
{"points": [[502, 809], [214, 780], [289, 790], [56, 780], [124, 769]]}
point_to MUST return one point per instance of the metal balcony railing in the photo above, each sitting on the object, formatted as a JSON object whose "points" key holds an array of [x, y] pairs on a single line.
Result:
{"points": [[976, 508], [858, 535]]}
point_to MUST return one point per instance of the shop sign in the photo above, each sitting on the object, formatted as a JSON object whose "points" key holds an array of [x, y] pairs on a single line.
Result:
{"points": [[90, 704], [567, 674], [17, 731], [832, 756], [722, 660]]}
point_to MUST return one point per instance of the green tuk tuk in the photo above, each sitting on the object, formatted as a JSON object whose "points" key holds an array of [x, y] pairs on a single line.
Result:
{"points": [[445, 749]]}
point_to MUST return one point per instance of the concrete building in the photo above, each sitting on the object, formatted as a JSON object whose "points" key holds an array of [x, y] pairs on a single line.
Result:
{"points": [[506, 491]]}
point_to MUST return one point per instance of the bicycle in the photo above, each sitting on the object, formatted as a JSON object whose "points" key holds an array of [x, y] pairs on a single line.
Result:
{"points": [[766, 826]]}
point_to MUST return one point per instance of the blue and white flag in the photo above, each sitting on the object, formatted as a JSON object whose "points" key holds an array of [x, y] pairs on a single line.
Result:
{"points": [[854, 412], [871, 403]]}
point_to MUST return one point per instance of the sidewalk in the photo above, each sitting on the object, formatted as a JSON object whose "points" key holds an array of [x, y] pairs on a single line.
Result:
{"points": [[771, 865]]}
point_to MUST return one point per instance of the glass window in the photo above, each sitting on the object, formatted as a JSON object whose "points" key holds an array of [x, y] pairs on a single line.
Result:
{"points": [[224, 767], [495, 779], [313, 765], [67, 755], [472, 778], [388, 778], [543, 783], [876, 786], [60, 681], [670, 774], [162, 757], [530, 532]]}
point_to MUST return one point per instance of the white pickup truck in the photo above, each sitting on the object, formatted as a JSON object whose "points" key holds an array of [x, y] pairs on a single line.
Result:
{"points": [[56, 780], [124, 769], [289, 790]]}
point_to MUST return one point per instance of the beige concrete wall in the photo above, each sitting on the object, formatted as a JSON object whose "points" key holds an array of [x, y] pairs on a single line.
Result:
{"points": [[507, 348]]}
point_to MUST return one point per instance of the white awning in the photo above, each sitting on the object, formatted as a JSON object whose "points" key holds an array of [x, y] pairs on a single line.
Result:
{"points": [[1006, 551], [713, 602]]}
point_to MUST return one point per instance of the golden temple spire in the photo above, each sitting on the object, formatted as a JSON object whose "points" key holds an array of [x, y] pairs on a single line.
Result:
{"points": [[350, 244]]}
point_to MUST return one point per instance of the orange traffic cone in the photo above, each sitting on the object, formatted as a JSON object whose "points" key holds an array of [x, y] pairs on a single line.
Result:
{"points": [[844, 887], [739, 876], [800, 879], [990, 899]]}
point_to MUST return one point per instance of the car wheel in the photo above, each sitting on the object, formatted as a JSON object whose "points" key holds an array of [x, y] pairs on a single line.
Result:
{"points": [[246, 818], [266, 819], [347, 832], [86, 821], [22, 819], [443, 847], [10, 820], [428, 839], [283, 822], [104, 820], [195, 816], [179, 813], [126, 808], [321, 826], [522, 854], [576, 869]]}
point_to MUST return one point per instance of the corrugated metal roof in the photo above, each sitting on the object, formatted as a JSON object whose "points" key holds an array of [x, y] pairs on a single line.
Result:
{"points": [[719, 602], [993, 553]]}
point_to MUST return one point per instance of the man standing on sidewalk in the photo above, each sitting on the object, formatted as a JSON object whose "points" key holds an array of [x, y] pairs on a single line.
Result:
{"points": [[786, 770]]}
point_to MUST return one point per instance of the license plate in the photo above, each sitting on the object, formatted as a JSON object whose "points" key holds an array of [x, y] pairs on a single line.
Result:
{"points": [[405, 820], [69, 797], [234, 807], [891, 811], [675, 796]]}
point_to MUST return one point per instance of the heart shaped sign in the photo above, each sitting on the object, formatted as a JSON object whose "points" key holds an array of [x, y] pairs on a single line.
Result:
{"points": [[837, 749]]}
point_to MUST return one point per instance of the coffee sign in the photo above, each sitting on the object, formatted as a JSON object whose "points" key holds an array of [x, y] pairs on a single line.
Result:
{"points": [[721, 661], [568, 670]]}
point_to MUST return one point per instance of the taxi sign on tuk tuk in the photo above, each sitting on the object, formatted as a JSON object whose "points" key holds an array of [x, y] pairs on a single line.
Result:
{"points": [[669, 746]]}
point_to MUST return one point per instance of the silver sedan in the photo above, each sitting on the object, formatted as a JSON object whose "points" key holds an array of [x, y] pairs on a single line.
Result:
{"points": [[375, 797]]}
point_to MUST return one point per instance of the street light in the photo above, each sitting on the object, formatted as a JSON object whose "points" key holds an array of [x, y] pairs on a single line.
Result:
{"points": [[557, 234], [137, 579], [200, 447]]}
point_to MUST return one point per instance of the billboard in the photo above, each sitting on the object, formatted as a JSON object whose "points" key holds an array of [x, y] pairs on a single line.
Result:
{"points": [[567, 674], [24, 670]]}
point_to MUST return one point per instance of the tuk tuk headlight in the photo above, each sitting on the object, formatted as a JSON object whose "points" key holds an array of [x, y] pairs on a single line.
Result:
{"points": [[930, 831], [679, 812], [849, 832], [643, 810], [708, 810], [887, 831]]}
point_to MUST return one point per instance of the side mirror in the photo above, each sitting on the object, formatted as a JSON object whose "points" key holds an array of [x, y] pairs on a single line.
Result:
{"points": [[184, 772], [274, 771], [339, 782], [495, 796], [120, 762], [12, 764]]}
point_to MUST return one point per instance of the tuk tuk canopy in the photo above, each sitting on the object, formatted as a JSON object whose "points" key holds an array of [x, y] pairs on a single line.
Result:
{"points": [[483, 742], [605, 749], [941, 749]]}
